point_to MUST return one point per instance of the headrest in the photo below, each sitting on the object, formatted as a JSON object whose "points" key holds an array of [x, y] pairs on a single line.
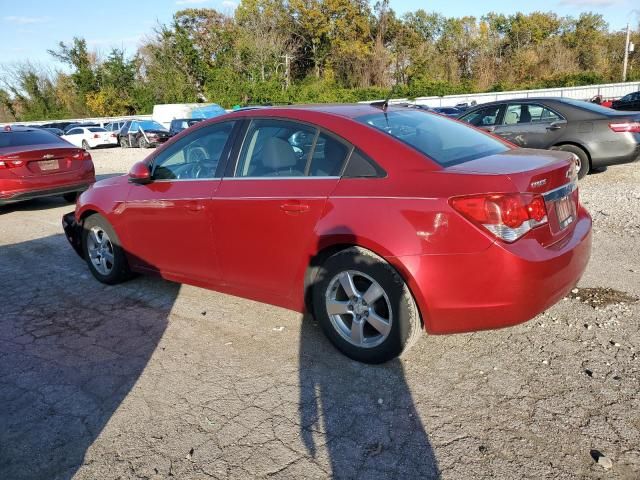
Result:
{"points": [[278, 154]]}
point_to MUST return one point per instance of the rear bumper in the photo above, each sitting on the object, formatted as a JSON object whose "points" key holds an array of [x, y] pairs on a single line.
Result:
{"points": [[22, 195], [73, 231], [616, 153], [501, 286]]}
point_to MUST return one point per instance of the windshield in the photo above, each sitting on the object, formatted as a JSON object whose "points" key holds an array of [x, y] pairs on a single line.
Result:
{"points": [[150, 125], [445, 141]]}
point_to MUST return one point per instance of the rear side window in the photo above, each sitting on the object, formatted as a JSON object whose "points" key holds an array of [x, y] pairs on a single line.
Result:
{"points": [[328, 157], [360, 166], [485, 117], [29, 137], [445, 141], [96, 129]]}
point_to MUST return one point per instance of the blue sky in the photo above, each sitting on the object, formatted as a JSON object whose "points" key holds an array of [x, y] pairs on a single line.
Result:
{"points": [[29, 28]]}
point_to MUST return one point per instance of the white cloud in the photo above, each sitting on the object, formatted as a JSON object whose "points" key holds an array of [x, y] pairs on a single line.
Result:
{"points": [[229, 4], [25, 20], [191, 2], [592, 3]]}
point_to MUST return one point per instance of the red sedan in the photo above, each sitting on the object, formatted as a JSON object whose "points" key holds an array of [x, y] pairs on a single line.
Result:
{"points": [[36, 163], [381, 221]]}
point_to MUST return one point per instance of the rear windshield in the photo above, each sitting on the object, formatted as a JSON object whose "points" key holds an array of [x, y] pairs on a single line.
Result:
{"points": [[96, 129], [592, 107], [28, 137], [445, 141]]}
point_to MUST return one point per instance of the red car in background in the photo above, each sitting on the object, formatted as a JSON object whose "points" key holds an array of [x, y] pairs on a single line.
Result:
{"points": [[36, 163], [380, 220]]}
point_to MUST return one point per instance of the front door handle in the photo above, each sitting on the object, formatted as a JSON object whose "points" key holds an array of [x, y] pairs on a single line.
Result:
{"points": [[294, 207]]}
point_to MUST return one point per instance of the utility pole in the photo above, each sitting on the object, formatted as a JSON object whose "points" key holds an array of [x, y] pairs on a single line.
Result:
{"points": [[287, 70], [626, 56]]}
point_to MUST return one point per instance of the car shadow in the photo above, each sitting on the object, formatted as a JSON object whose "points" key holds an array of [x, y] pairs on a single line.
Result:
{"points": [[362, 416], [71, 349], [43, 203]]}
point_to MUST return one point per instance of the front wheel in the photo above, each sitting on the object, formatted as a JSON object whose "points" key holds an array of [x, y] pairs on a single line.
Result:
{"points": [[85, 145], [124, 143], [102, 251], [364, 306], [142, 143]]}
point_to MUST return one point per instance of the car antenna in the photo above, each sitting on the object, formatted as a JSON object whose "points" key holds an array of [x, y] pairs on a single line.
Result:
{"points": [[385, 103]]}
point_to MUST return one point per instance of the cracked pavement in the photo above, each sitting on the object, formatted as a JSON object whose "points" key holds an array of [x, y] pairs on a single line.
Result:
{"points": [[151, 379]]}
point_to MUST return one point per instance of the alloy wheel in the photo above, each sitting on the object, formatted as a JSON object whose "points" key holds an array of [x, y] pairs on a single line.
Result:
{"points": [[100, 250], [359, 309]]}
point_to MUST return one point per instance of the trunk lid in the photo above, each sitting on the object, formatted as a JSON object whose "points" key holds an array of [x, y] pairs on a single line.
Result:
{"points": [[42, 160], [548, 173]]}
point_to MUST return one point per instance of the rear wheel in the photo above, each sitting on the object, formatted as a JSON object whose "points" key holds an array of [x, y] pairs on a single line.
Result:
{"points": [[583, 159], [85, 145], [364, 306], [123, 142], [102, 251]]}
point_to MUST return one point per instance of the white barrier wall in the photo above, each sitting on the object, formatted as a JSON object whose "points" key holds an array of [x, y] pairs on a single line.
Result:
{"points": [[607, 90]]}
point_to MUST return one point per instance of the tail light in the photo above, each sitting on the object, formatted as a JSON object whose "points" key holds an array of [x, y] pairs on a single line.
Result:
{"points": [[10, 162], [83, 155], [95, 135], [621, 127], [113, 135], [507, 216]]}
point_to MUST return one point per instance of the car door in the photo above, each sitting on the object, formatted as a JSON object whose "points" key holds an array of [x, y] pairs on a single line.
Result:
{"points": [[134, 127], [530, 125], [169, 222], [74, 136], [268, 205]]}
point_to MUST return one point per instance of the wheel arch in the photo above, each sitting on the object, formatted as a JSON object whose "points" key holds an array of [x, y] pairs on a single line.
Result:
{"points": [[577, 145], [330, 248]]}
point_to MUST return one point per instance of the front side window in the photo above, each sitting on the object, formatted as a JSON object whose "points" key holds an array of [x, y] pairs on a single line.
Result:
{"points": [[445, 141], [134, 127], [150, 125], [75, 131], [485, 117], [195, 156]]}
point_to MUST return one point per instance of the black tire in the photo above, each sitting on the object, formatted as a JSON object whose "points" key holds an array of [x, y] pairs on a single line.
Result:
{"points": [[123, 142], [582, 156], [71, 197], [85, 145], [142, 143], [405, 324], [120, 268]]}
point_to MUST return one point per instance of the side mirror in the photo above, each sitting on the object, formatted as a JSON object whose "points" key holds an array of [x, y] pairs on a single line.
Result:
{"points": [[140, 173]]}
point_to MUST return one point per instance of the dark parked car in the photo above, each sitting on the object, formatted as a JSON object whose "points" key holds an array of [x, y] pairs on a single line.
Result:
{"points": [[598, 136], [180, 124], [630, 101], [61, 125], [56, 131], [448, 111], [142, 134]]}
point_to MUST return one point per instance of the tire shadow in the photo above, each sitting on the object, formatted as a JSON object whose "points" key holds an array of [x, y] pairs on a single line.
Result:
{"points": [[362, 416], [71, 349]]}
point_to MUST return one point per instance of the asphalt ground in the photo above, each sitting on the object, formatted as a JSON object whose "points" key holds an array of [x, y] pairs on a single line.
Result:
{"points": [[151, 379]]}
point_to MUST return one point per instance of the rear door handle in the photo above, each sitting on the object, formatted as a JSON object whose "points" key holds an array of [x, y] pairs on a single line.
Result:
{"points": [[195, 206], [296, 207]]}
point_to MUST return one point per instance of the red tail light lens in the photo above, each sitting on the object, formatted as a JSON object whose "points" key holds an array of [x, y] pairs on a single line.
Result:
{"points": [[8, 162], [95, 135], [507, 216], [621, 127]]}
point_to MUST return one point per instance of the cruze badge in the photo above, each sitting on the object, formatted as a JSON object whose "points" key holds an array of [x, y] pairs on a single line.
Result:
{"points": [[47, 156], [539, 183]]}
